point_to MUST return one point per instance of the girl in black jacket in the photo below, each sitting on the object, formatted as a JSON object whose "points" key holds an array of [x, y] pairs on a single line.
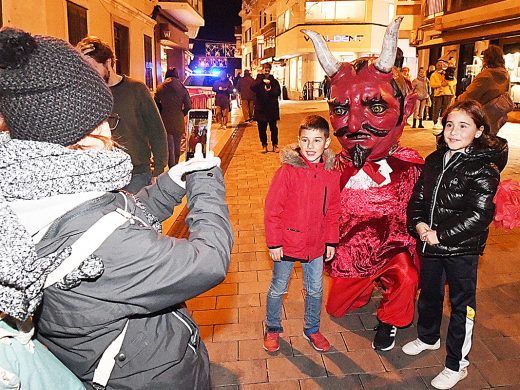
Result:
{"points": [[450, 211]]}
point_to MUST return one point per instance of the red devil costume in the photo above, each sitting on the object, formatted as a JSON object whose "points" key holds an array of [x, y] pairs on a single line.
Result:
{"points": [[368, 112]]}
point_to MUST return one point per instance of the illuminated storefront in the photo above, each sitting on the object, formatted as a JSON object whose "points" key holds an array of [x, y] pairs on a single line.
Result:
{"points": [[462, 30]]}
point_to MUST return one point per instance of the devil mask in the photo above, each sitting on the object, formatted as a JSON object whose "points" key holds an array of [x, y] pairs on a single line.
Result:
{"points": [[367, 109]]}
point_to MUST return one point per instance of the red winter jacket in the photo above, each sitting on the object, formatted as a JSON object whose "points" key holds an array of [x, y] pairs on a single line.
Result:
{"points": [[302, 206]]}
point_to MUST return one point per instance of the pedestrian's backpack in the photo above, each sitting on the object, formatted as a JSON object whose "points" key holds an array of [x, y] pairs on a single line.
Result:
{"points": [[39, 369]]}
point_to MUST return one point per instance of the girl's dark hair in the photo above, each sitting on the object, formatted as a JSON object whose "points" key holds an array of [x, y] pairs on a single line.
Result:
{"points": [[494, 57], [476, 112], [315, 122]]}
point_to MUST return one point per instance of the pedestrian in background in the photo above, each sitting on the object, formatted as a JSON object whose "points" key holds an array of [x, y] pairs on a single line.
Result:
{"points": [[450, 212], [223, 89], [140, 129], [443, 86], [267, 109], [247, 95], [173, 100], [59, 175], [236, 80], [490, 87], [421, 86], [406, 73], [302, 224], [325, 87]]}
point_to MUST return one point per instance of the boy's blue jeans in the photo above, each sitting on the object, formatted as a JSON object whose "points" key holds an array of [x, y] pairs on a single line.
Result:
{"points": [[312, 281]]}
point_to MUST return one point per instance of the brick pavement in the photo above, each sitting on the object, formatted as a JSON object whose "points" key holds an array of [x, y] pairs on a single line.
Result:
{"points": [[231, 315]]}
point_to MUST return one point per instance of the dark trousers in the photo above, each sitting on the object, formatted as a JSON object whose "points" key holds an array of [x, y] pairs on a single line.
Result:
{"points": [[461, 274], [262, 132], [174, 148], [440, 104]]}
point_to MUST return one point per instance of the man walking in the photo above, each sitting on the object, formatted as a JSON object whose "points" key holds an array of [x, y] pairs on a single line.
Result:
{"points": [[246, 95], [140, 129], [443, 86], [267, 110]]}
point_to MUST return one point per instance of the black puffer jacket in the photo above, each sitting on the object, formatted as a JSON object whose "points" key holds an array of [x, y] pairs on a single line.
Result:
{"points": [[456, 199]]}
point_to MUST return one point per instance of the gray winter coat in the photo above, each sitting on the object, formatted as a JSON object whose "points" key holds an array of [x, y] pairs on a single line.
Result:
{"points": [[147, 277]]}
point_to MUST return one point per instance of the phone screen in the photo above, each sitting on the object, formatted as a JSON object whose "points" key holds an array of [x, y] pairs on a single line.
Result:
{"points": [[198, 132]]}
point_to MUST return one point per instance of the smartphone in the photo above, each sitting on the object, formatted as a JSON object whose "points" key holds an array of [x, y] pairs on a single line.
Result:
{"points": [[198, 131]]}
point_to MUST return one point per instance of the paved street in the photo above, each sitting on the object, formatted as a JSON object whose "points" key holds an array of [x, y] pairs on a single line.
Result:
{"points": [[231, 315]]}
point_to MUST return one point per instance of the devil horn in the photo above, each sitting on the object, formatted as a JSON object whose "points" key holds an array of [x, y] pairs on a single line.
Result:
{"points": [[387, 58], [327, 61]]}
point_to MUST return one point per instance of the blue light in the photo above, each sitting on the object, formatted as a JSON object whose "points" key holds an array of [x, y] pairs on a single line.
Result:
{"points": [[197, 71], [215, 72]]}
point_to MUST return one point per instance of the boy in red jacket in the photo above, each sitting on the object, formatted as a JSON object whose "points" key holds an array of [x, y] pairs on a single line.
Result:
{"points": [[302, 224]]}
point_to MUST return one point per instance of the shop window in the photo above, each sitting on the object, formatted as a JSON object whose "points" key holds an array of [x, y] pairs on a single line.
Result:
{"points": [[77, 22], [148, 62], [461, 5], [299, 73], [293, 68], [335, 10], [287, 20], [122, 48], [280, 23], [434, 7]]}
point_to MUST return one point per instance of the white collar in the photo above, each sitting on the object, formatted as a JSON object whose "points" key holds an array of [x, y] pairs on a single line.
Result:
{"points": [[361, 181]]}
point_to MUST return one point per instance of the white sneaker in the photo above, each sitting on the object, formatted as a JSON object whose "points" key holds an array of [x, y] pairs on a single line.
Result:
{"points": [[416, 346], [437, 126], [448, 378]]}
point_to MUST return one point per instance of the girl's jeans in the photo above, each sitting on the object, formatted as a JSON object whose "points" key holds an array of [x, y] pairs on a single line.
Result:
{"points": [[312, 281]]}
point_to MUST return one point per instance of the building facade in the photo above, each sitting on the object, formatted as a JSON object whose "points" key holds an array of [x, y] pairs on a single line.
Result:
{"points": [[461, 30], [177, 23], [147, 35], [352, 29]]}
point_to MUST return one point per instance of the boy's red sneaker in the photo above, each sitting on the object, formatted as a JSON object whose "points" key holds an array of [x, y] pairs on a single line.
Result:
{"points": [[318, 341], [271, 341]]}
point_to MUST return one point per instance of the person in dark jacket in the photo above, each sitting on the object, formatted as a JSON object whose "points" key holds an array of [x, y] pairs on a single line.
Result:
{"points": [[140, 129], [223, 89], [60, 175], [267, 110], [247, 95], [489, 84], [302, 224], [450, 212], [173, 100]]}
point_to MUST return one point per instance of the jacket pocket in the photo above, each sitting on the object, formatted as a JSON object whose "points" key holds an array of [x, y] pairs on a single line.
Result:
{"points": [[325, 201]]}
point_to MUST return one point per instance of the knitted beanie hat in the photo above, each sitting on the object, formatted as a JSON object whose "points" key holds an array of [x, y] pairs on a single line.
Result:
{"points": [[48, 93]]}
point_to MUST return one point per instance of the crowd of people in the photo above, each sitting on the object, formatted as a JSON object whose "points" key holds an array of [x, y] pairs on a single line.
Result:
{"points": [[92, 294]]}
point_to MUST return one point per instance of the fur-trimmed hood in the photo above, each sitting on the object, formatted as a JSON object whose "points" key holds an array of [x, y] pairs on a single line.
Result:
{"points": [[291, 155]]}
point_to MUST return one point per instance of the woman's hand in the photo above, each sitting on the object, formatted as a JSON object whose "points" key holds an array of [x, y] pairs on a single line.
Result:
{"points": [[430, 237], [421, 228]]}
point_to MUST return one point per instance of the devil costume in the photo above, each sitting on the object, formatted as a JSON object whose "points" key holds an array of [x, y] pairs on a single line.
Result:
{"points": [[368, 112]]}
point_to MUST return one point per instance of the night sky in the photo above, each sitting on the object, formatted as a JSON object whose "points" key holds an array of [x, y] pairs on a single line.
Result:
{"points": [[221, 16]]}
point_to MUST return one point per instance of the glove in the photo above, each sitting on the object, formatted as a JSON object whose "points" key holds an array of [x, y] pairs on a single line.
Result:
{"points": [[197, 163]]}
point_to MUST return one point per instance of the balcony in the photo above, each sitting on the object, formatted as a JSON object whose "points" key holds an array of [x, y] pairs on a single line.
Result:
{"points": [[185, 12]]}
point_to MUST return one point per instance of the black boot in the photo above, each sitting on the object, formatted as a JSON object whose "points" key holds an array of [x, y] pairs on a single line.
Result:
{"points": [[414, 123], [420, 124]]}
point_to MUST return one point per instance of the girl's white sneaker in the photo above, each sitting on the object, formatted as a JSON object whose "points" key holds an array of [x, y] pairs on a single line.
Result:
{"points": [[448, 378], [416, 346]]}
